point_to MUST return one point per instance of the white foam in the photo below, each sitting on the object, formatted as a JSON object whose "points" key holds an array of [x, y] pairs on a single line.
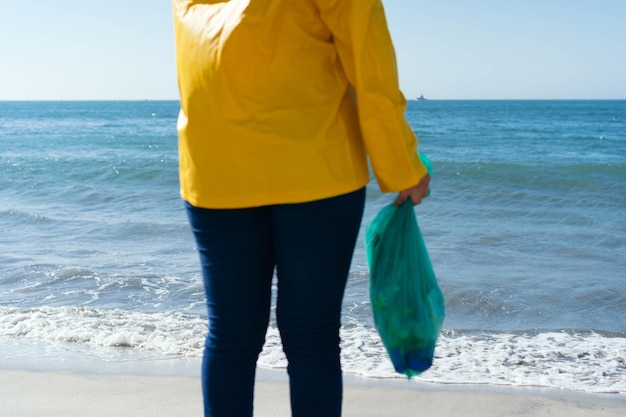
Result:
{"points": [[583, 361], [168, 333]]}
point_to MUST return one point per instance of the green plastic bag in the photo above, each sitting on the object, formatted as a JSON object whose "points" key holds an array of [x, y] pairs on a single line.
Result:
{"points": [[407, 303]]}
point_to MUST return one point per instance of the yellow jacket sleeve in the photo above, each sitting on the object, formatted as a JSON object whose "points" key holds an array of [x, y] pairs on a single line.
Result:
{"points": [[364, 45]]}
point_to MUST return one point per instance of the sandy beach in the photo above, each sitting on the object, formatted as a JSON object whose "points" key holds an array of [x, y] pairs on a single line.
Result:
{"points": [[58, 394]]}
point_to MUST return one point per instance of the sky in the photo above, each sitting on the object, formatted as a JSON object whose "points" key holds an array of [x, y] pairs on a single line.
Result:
{"points": [[470, 49]]}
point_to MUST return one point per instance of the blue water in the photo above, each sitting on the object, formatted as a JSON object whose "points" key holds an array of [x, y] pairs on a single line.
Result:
{"points": [[525, 226]]}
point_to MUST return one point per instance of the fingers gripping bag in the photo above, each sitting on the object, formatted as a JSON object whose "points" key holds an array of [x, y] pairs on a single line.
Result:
{"points": [[407, 304]]}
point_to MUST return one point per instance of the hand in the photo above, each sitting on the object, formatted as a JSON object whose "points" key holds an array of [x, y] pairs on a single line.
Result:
{"points": [[417, 192]]}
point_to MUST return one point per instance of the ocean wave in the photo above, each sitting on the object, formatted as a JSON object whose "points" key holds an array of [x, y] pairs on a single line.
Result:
{"points": [[580, 360]]}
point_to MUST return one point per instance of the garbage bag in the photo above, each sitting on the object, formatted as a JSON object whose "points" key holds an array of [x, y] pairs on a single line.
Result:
{"points": [[407, 303]]}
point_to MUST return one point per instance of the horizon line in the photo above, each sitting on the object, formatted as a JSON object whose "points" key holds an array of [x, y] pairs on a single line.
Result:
{"points": [[408, 99]]}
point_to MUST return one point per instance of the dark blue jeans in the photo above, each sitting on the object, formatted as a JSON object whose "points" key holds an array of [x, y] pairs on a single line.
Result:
{"points": [[311, 246]]}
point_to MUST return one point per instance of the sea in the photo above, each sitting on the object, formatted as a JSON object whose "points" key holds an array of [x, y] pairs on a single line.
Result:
{"points": [[525, 227]]}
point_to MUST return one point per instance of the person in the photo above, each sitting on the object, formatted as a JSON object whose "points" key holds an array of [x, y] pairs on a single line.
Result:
{"points": [[282, 103]]}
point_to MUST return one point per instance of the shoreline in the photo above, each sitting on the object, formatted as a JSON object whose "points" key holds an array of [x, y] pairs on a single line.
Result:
{"points": [[19, 354], [37, 379], [30, 393]]}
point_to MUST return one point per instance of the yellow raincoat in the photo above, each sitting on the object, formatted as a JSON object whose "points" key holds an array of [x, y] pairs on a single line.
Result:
{"points": [[269, 93]]}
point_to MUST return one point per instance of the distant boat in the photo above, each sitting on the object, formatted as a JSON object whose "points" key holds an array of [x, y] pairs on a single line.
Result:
{"points": [[421, 97]]}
